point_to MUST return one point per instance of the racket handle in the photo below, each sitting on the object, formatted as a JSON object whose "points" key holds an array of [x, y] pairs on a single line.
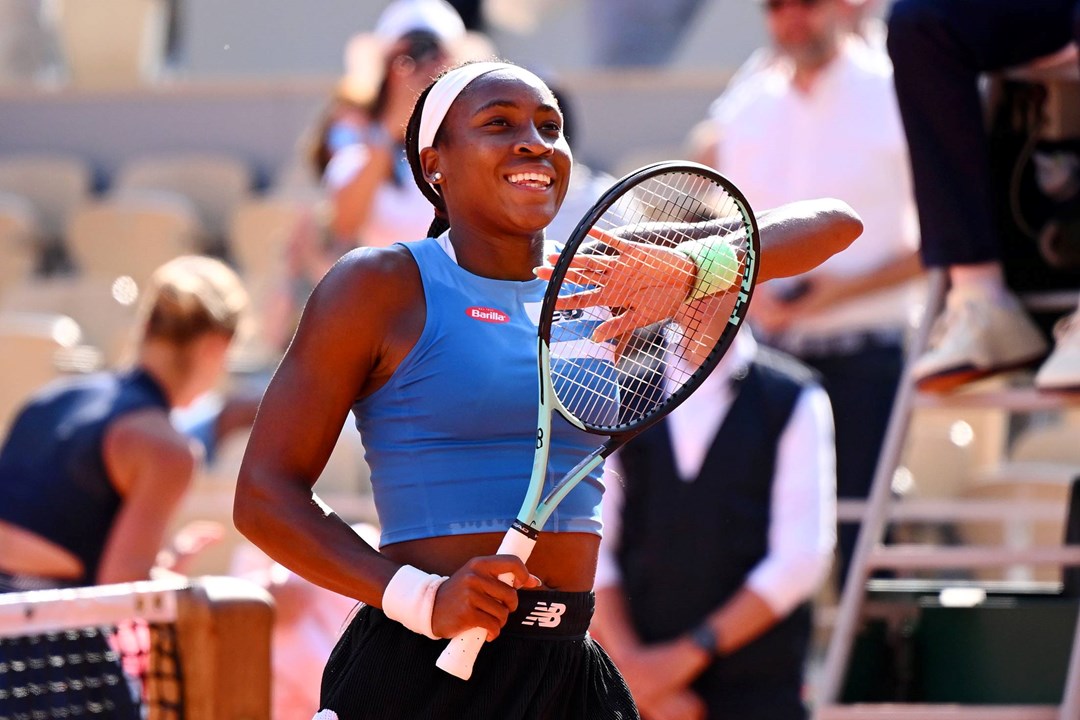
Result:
{"points": [[458, 657]]}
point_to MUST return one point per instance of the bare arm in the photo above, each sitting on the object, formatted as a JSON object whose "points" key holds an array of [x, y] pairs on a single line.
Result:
{"points": [[794, 239], [358, 324], [799, 236], [151, 465], [352, 201], [297, 425]]}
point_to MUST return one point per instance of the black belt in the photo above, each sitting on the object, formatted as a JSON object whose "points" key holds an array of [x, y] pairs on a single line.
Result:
{"points": [[550, 614]]}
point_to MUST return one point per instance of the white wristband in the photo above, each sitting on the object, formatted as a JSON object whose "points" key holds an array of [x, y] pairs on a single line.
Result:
{"points": [[409, 598]]}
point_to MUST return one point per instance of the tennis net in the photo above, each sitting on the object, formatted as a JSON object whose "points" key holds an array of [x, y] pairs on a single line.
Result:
{"points": [[160, 650]]}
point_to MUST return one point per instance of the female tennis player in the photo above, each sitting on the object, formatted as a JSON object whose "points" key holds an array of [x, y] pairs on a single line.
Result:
{"points": [[432, 346]]}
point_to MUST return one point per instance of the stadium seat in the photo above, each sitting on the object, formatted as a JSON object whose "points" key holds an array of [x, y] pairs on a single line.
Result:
{"points": [[104, 311], [132, 235], [19, 231], [111, 43], [258, 232], [296, 182], [26, 47], [31, 343], [214, 184], [55, 185]]}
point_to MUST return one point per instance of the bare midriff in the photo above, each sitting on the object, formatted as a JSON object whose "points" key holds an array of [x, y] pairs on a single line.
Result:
{"points": [[563, 561], [26, 553]]}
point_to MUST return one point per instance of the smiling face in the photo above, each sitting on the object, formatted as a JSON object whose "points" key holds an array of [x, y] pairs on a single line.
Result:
{"points": [[504, 162]]}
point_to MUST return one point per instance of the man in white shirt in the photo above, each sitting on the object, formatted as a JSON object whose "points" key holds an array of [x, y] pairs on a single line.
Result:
{"points": [[821, 119], [724, 531]]}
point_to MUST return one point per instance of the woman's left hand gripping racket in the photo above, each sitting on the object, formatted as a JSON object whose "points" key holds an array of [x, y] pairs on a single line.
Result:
{"points": [[623, 275]]}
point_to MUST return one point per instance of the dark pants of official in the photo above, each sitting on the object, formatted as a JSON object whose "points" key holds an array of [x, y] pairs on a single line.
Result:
{"points": [[939, 48], [862, 386]]}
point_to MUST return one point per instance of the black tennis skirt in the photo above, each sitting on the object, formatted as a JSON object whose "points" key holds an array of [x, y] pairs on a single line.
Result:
{"points": [[543, 666]]}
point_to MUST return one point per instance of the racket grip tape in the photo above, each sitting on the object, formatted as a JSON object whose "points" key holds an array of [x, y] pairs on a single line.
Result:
{"points": [[458, 657]]}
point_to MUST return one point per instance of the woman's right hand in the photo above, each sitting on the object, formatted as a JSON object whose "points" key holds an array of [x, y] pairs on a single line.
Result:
{"points": [[475, 597]]}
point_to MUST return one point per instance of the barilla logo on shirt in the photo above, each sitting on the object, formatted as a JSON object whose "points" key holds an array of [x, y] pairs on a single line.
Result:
{"points": [[487, 314]]}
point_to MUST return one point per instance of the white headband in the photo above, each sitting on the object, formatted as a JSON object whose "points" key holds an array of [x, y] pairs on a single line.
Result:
{"points": [[449, 86]]}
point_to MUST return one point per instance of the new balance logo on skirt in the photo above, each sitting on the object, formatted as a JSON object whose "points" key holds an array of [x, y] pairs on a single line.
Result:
{"points": [[545, 615]]}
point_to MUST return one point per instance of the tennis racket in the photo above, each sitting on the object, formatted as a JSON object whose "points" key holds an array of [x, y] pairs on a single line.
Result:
{"points": [[620, 269]]}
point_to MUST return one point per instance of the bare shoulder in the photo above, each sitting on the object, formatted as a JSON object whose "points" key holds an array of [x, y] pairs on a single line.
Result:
{"points": [[353, 280], [144, 443], [359, 322]]}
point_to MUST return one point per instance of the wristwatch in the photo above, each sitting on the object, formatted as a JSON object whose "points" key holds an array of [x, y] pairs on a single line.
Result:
{"points": [[705, 638]]}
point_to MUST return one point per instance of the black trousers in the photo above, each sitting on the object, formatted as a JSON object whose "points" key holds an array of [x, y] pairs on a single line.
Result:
{"points": [[939, 48], [534, 670]]}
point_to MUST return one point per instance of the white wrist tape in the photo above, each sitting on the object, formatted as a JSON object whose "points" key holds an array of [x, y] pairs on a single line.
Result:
{"points": [[409, 598]]}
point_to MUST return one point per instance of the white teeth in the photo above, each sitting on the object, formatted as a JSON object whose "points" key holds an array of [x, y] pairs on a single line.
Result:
{"points": [[530, 179]]}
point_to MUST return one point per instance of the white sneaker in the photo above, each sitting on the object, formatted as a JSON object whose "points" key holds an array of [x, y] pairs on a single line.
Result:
{"points": [[976, 337], [1061, 371]]}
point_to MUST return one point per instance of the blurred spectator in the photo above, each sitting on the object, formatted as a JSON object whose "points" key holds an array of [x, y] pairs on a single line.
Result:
{"points": [[92, 470], [375, 202], [940, 48], [821, 120], [357, 148], [28, 47], [856, 17], [724, 531], [627, 33]]}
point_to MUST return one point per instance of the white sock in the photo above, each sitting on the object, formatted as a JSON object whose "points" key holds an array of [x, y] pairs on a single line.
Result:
{"points": [[984, 280]]}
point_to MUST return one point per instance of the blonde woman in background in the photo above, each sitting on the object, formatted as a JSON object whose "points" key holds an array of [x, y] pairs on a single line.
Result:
{"points": [[92, 469], [91, 473]]}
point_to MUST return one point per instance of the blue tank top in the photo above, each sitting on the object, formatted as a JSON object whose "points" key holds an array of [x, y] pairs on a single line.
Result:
{"points": [[450, 437], [53, 479]]}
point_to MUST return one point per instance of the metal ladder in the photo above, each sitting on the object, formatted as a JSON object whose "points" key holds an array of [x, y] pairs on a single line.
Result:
{"points": [[871, 553]]}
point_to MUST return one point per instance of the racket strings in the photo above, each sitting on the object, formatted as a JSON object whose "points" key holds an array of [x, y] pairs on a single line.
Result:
{"points": [[660, 359]]}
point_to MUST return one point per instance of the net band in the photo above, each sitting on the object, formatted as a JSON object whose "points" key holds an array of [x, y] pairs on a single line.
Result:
{"points": [[160, 650]]}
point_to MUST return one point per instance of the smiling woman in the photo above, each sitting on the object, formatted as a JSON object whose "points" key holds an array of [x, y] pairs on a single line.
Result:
{"points": [[440, 369], [532, 179], [432, 344]]}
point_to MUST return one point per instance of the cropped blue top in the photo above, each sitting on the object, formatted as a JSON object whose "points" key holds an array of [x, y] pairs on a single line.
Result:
{"points": [[450, 437]]}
